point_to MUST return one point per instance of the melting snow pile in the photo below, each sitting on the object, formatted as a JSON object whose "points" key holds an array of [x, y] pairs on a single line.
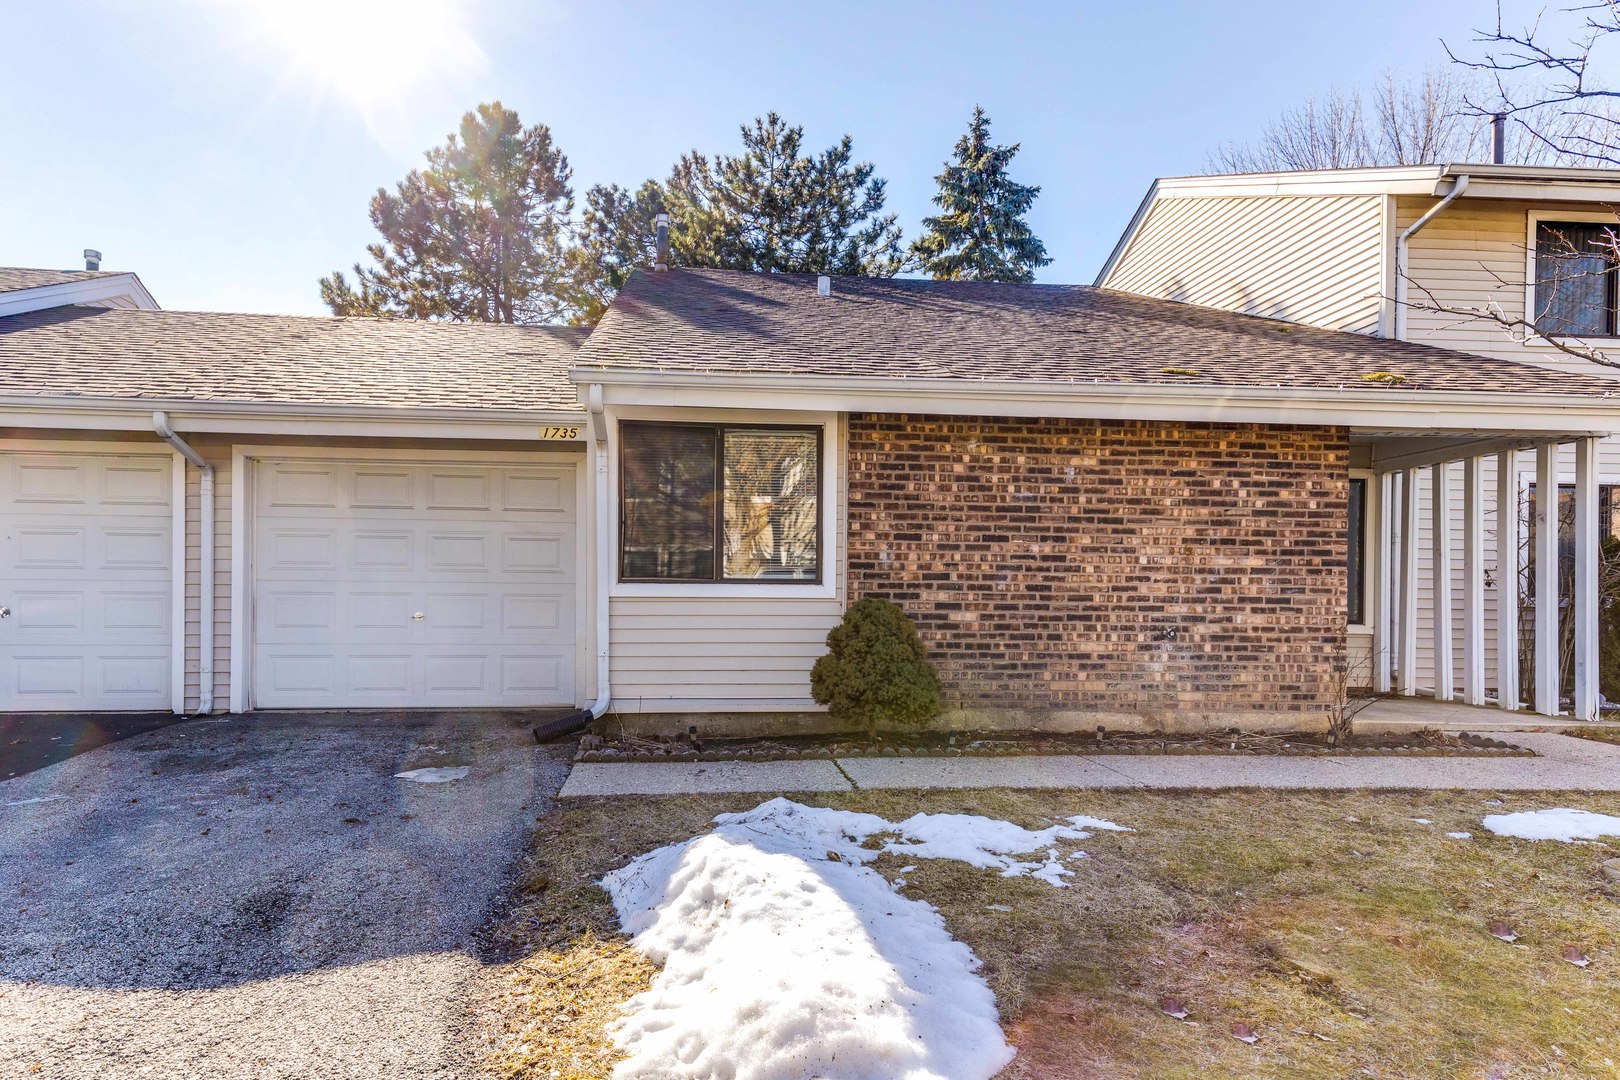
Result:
{"points": [[785, 956], [1560, 824], [435, 776]]}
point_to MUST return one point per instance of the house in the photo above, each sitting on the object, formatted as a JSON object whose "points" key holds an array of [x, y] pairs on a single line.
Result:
{"points": [[356, 513], [1099, 507], [1468, 257]]}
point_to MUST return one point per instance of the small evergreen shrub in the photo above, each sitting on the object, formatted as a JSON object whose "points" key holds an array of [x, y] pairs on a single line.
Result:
{"points": [[876, 673]]}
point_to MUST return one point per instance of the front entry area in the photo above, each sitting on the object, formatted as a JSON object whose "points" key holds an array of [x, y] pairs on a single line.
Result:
{"points": [[387, 584], [86, 557]]}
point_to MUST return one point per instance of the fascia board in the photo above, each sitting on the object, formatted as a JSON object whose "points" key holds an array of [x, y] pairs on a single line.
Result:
{"points": [[1377, 409]]}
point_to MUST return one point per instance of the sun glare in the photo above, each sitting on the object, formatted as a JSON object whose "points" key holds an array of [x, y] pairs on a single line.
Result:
{"points": [[371, 53]]}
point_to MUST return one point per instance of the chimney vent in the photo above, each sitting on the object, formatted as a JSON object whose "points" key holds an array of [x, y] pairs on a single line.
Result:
{"points": [[823, 285], [1499, 137], [92, 259], [662, 260]]}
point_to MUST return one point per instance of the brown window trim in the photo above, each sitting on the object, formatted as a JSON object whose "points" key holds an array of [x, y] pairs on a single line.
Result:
{"points": [[720, 577]]}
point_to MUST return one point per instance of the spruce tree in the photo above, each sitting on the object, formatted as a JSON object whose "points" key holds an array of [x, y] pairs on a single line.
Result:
{"points": [[772, 208], [477, 236], [981, 234]]}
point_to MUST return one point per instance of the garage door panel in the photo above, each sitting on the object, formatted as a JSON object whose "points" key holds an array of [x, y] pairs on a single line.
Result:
{"points": [[537, 492], [45, 547], [134, 612], [136, 485], [457, 553], [376, 550], [86, 546], [48, 680], [485, 554], [383, 489], [303, 676], [535, 675], [146, 549], [134, 677], [381, 674], [460, 489], [302, 487], [299, 550], [538, 553]]}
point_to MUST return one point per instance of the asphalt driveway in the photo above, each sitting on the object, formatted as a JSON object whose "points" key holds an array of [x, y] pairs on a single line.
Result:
{"points": [[261, 897]]}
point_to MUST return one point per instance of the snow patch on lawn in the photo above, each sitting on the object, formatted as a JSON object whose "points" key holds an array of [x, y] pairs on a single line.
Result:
{"points": [[435, 776], [1558, 824], [785, 956]]}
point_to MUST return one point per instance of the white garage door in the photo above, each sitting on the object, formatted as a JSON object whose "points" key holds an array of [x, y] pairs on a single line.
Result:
{"points": [[85, 568], [383, 585]]}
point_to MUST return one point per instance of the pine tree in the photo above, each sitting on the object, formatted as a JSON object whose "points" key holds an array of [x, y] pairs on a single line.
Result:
{"points": [[617, 233], [981, 235], [771, 208], [775, 209], [477, 236]]}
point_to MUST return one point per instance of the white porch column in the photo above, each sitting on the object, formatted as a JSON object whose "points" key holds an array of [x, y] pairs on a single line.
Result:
{"points": [[1508, 532], [1474, 581], [1440, 570], [1586, 580], [1383, 592], [1406, 620], [1547, 681]]}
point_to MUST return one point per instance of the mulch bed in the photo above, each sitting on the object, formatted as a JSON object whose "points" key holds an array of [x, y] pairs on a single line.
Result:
{"points": [[596, 748]]}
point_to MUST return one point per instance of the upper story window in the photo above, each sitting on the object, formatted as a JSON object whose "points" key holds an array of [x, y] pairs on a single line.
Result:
{"points": [[1575, 279], [719, 502]]}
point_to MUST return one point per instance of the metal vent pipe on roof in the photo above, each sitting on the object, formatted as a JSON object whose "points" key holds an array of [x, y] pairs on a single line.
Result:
{"points": [[661, 260], [1499, 137], [92, 259], [823, 285]]}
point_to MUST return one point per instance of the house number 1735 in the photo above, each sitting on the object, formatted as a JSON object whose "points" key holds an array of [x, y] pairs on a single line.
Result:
{"points": [[559, 433]]}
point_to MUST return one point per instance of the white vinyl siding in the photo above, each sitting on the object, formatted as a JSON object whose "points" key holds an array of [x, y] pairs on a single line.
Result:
{"points": [[1316, 260], [729, 653], [715, 655], [1474, 256], [220, 458]]}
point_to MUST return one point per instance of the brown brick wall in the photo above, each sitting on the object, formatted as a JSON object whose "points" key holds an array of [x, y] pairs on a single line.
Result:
{"points": [[1066, 573]]}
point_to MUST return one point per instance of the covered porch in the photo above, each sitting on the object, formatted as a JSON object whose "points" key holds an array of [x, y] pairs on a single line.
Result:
{"points": [[1462, 590]]}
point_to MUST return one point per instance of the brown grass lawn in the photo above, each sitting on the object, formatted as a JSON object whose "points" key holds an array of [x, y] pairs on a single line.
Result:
{"points": [[1351, 938]]}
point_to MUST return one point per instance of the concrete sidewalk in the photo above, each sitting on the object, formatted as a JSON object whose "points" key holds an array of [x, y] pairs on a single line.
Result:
{"points": [[1565, 764]]}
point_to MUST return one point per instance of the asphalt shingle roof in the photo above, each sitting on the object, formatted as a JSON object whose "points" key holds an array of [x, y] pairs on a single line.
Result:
{"points": [[726, 321], [210, 356], [16, 278]]}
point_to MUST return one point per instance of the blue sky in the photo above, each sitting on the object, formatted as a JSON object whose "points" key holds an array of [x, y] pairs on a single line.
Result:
{"points": [[226, 149]]}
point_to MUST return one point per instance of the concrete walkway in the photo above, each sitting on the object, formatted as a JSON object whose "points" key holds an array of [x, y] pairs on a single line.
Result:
{"points": [[1565, 764]]}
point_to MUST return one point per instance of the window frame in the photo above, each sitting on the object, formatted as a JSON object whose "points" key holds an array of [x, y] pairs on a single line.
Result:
{"points": [[1355, 599], [1534, 219], [719, 579], [1371, 519]]}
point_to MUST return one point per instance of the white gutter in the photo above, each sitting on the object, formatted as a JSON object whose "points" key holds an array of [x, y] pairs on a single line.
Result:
{"points": [[205, 629], [1457, 188], [604, 550]]}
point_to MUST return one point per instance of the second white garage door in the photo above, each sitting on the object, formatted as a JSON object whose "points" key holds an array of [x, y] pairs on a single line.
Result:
{"points": [[383, 585]]}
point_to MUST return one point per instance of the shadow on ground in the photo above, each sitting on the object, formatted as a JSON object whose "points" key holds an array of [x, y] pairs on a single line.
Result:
{"points": [[217, 853], [30, 741]]}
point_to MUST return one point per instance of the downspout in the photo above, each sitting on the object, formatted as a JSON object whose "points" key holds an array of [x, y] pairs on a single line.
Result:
{"points": [[578, 721], [1401, 252], [604, 550], [205, 557]]}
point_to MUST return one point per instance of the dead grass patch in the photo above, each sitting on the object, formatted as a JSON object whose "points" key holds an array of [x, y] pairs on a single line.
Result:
{"points": [[1350, 936], [558, 1003], [1609, 734]]}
